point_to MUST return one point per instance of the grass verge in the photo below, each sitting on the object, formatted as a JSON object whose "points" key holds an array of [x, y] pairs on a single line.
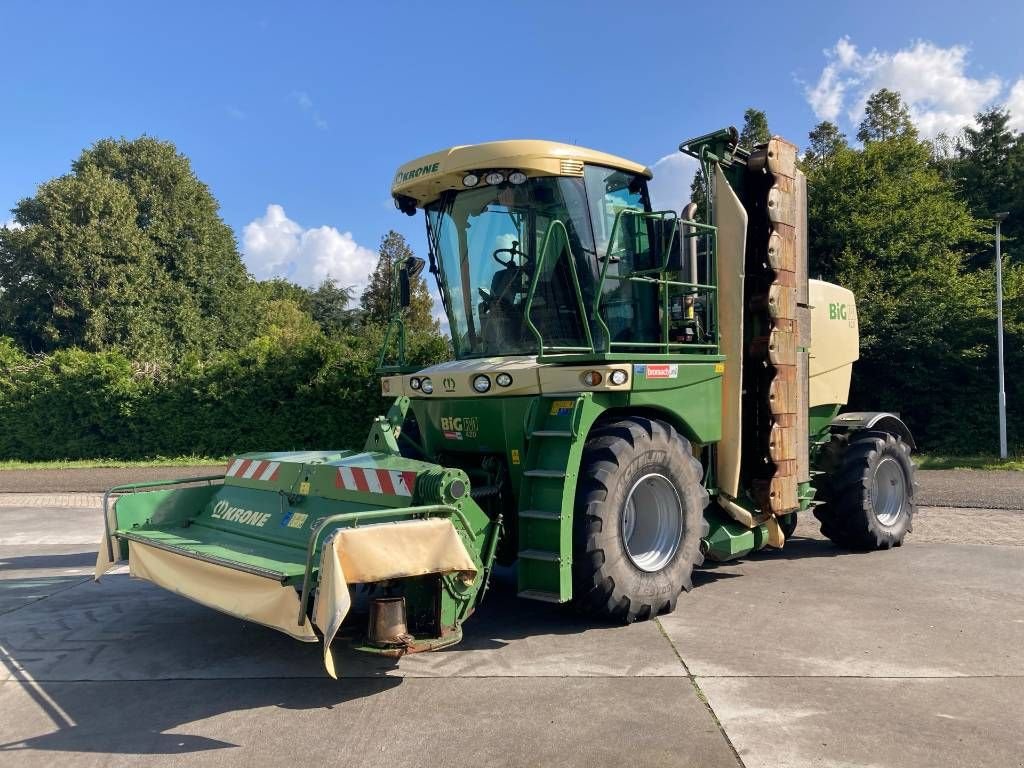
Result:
{"points": [[936, 461], [159, 461]]}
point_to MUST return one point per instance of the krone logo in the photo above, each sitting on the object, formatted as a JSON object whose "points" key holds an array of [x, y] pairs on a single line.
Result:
{"points": [[222, 510], [449, 384]]}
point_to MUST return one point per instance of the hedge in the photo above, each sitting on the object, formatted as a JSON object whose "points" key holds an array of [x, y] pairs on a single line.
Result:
{"points": [[311, 393], [321, 392]]}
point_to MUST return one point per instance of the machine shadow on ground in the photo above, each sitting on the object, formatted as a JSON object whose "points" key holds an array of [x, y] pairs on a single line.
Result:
{"points": [[84, 666], [84, 703]]}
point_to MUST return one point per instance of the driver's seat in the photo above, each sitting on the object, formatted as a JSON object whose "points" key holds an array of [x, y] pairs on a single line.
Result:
{"points": [[500, 318]]}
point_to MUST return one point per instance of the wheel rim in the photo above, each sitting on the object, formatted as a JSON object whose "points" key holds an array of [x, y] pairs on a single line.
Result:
{"points": [[888, 491], [652, 522]]}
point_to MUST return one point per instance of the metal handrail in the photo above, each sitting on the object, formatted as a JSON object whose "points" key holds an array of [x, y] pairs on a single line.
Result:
{"points": [[372, 514], [208, 479], [694, 229], [538, 269], [396, 318]]}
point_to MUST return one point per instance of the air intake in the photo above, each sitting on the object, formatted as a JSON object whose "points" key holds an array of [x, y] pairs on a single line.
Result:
{"points": [[572, 168]]}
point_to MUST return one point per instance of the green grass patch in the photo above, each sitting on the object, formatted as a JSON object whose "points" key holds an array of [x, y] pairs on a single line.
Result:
{"points": [[159, 461], [936, 461]]}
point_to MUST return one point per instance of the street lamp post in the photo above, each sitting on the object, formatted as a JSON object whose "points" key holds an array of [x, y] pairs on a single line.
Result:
{"points": [[1000, 218]]}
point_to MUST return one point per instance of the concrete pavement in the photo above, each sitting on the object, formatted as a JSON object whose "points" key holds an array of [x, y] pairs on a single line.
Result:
{"points": [[804, 657]]}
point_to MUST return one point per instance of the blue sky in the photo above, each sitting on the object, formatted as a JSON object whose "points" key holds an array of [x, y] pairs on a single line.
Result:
{"points": [[309, 108]]}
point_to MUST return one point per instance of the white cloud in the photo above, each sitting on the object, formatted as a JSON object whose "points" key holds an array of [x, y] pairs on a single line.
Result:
{"points": [[11, 224], [1015, 103], [670, 187], [932, 80], [276, 246]]}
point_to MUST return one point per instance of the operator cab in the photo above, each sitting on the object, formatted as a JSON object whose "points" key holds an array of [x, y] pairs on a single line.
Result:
{"points": [[525, 235]]}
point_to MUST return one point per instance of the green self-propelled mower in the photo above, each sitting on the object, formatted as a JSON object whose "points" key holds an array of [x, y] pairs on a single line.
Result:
{"points": [[632, 391]]}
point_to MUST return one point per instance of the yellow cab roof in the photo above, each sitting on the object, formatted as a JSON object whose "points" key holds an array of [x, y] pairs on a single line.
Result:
{"points": [[425, 178]]}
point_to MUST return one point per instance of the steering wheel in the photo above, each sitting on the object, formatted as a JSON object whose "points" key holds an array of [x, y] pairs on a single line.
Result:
{"points": [[512, 252]]}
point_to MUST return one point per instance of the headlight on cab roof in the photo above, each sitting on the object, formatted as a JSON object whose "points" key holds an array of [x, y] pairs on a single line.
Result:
{"points": [[481, 383]]}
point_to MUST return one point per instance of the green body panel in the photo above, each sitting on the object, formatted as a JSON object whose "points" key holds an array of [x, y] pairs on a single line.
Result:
{"points": [[540, 439], [727, 539], [819, 418]]}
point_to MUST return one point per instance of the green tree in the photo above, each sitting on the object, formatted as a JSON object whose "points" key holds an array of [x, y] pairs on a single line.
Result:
{"points": [[887, 224], [376, 298], [885, 117], [330, 305], [825, 141], [990, 169], [277, 288], [755, 128], [127, 251]]}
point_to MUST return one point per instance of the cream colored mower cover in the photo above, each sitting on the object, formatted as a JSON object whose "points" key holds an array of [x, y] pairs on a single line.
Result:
{"points": [[364, 554], [379, 552], [731, 220], [835, 342]]}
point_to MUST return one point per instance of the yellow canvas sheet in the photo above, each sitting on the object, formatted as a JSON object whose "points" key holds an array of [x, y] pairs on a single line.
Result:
{"points": [[245, 595], [731, 220], [379, 552], [103, 561]]}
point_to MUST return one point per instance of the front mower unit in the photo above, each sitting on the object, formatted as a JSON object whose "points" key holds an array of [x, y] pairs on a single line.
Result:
{"points": [[280, 529]]}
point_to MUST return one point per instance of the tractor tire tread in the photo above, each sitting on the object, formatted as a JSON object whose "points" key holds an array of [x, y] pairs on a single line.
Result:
{"points": [[605, 585]]}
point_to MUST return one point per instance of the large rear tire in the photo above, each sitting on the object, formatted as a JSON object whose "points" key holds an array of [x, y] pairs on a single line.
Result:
{"points": [[639, 520], [869, 498]]}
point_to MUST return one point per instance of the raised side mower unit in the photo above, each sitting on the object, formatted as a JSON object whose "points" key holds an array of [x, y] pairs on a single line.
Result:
{"points": [[633, 391]]}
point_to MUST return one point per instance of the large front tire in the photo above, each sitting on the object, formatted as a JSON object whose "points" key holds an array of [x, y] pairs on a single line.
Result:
{"points": [[639, 520], [869, 499]]}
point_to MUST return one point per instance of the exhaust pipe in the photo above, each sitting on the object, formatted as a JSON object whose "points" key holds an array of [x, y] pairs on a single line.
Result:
{"points": [[387, 622], [691, 242]]}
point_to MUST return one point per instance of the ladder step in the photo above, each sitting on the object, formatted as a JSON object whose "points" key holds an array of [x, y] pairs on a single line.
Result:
{"points": [[554, 473], [540, 514], [537, 594], [540, 554], [551, 433]]}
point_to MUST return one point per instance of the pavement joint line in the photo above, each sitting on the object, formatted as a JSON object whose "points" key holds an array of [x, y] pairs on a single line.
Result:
{"points": [[701, 695], [341, 680], [861, 677], [44, 597], [85, 680]]}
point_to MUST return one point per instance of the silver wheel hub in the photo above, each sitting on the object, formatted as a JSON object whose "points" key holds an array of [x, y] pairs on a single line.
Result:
{"points": [[652, 522], [888, 491]]}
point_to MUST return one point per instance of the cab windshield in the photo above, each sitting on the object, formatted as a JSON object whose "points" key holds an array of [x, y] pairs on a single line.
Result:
{"points": [[487, 242]]}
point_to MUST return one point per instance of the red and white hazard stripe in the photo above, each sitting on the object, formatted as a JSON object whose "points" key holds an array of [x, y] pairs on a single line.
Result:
{"points": [[391, 482], [253, 469]]}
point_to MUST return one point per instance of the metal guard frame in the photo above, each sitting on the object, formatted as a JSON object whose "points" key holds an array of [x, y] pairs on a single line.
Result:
{"points": [[655, 275], [357, 517]]}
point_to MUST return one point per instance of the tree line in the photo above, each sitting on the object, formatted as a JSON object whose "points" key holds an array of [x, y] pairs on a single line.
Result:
{"points": [[129, 325], [907, 224], [128, 252]]}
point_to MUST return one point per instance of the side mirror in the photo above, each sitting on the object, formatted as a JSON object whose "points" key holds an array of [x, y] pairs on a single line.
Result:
{"points": [[410, 269]]}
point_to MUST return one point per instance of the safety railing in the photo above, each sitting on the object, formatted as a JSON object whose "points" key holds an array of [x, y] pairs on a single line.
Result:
{"points": [[581, 307], [656, 275], [395, 329], [132, 488]]}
